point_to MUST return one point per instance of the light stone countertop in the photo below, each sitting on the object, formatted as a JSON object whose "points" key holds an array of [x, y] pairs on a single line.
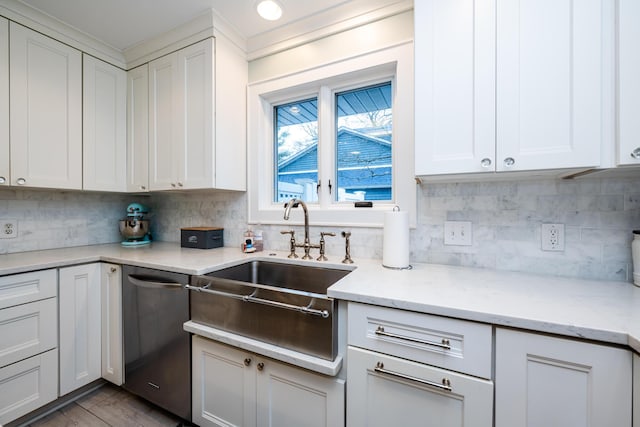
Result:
{"points": [[594, 310]]}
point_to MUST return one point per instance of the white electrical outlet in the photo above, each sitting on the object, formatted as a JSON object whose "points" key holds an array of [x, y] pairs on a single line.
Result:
{"points": [[552, 236], [457, 233], [9, 229]]}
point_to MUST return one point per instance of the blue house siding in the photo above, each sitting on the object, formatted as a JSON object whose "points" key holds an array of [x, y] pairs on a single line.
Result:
{"points": [[364, 165]]}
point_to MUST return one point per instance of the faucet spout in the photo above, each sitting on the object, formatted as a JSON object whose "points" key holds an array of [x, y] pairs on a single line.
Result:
{"points": [[287, 210]]}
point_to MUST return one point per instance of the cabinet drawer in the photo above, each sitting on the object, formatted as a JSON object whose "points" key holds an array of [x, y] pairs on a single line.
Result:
{"points": [[28, 385], [385, 390], [27, 287], [28, 329], [453, 344]]}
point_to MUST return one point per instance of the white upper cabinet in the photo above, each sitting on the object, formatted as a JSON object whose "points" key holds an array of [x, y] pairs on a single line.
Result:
{"points": [[197, 135], [45, 111], [550, 55], [4, 102], [104, 126], [628, 152], [138, 129], [181, 123], [455, 86], [509, 85], [163, 132]]}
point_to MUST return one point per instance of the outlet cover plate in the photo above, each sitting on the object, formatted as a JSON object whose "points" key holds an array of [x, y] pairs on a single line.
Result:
{"points": [[458, 233], [8, 229], [552, 237]]}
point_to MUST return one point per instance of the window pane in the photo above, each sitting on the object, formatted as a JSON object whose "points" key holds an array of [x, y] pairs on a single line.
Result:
{"points": [[296, 136], [364, 136]]}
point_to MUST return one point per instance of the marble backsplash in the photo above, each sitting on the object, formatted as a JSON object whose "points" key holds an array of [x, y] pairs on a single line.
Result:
{"points": [[598, 213], [57, 219]]}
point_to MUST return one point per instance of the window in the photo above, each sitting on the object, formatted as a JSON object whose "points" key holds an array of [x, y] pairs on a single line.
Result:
{"points": [[332, 136], [364, 138]]}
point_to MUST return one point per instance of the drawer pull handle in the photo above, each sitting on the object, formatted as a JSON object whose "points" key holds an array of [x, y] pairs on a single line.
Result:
{"points": [[445, 385], [445, 344]]}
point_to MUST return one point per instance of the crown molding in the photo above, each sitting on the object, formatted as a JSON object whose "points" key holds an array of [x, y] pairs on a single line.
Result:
{"points": [[315, 27], [56, 29]]}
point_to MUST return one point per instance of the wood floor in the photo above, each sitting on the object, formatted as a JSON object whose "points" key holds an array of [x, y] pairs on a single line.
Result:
{"points": [[109, 406]]}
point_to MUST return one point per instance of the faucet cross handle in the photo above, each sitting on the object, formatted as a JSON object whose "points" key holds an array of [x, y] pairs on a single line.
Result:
{"points": [[292, 243], [323, 245]]}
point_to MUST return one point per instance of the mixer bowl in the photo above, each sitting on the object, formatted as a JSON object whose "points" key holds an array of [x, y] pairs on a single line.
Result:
{"points": [[134, 228]]}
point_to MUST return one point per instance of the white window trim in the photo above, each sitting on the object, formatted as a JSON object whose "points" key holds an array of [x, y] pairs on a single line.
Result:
{"points": [[395, 63]]}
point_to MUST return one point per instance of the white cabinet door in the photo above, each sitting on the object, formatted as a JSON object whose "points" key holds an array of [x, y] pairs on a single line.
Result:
{"points": [[407, 393], [181, 119], [550, 87], [195, 154], [636, 390], [164, 134], [544, 381], [628, 152], [45, 111], [80, 317], [28, 385], [104, 126], [111, 296], [234, 388], [290, 396], [197, 133], [4, 102], [223, 385], [138, 129], [455, 86]]}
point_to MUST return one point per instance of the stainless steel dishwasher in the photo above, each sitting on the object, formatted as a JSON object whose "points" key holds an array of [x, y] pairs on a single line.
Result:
{"points": [[157, 351]]}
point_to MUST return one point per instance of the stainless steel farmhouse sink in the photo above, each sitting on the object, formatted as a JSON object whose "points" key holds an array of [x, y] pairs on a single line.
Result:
{"points": [[278, 303]]}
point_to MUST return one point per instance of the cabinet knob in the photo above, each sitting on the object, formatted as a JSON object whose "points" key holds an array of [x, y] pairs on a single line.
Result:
{"points": [[260, 366], [142, 187], [21, 181], [485, 163], [509, 161], [173, 184], [247, 361], [636, 153], [3, 180], [113, 269], [179, 184]]}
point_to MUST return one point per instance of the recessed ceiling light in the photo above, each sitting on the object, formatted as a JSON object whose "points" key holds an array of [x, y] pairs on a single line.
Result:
{"points": [[269, 10]]}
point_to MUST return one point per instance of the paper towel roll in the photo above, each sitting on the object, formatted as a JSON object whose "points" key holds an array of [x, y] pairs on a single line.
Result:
{"points": [[395, 243]]}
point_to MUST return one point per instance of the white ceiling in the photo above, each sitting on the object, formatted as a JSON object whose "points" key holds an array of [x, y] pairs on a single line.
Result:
{"points": [[125, 23]]}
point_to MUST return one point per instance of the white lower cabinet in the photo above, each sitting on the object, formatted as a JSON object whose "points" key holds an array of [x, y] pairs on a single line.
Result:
{"points": [[409, 369], [111, 311], [232, 387], [80, 326], [385, 391], [28, 342], [544, 381]]}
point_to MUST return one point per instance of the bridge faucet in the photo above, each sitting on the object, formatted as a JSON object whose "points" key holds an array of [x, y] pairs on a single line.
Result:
{"points": [[307, 243]]}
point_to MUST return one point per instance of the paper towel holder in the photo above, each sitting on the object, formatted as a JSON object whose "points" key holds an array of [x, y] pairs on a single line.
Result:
{"points": [[396, 208]]}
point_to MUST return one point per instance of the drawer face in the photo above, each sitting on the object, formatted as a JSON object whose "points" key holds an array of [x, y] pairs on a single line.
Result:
{"points": [[28, 385], [388, 391], [453, 344], [27, 287], [28, 329]]}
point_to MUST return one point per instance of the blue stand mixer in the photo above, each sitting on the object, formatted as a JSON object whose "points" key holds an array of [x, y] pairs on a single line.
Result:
{"points": [[134, 228]]}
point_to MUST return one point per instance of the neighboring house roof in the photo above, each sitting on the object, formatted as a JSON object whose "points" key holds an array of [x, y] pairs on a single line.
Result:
{"points": [[353, 147]]}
